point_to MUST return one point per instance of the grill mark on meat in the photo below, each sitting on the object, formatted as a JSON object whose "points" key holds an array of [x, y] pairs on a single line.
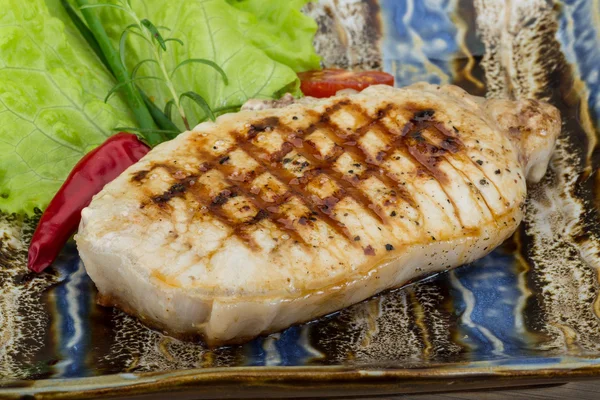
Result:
{"points": [[398, 142], [340, 138], [139, 176], [176, 190], [466, 158], [285, 177], [171, 169], [265, 125], [347, 142], [344, 142], [279, 155], [454, 206], [320, 166], [474, 190], [421, 119], [265, 209], [422, 116], [222, 198], [479, 197], [236, 187], [430, 163], [214, 205], [423, 151], [189, 185], [325, 167]]}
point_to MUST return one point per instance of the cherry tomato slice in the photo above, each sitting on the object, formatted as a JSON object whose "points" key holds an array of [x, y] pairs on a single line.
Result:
{"points": [[327, 82]]}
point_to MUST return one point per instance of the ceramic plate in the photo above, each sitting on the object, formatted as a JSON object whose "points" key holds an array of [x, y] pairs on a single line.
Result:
{"points": [[527, 313]]}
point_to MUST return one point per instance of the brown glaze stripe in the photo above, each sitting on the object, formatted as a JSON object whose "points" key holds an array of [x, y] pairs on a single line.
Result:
{"points": [[265, 209], [215, 205], [141, 176], [175, 190], [423, 119], [442, 179], [242, 186], [299, 191], [396, 142], [455, 208], [466, 158], [185, 183], [361, 154], [347, 143], [174, 170], [324, 166], [462, 157], [189, 185], [348, 187], [212, 162], [343, 141], [450, 142], [475, 191]]}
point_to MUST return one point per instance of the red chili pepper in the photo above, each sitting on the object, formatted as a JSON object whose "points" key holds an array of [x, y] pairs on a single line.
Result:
{"points": [[61, 218]]}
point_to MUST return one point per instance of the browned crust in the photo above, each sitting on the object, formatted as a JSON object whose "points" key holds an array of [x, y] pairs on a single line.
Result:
{"points": [[425, 150], [109, 300]]}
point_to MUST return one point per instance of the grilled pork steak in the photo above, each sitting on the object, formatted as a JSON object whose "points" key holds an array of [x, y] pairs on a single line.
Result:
{"points": [[267, 218]]}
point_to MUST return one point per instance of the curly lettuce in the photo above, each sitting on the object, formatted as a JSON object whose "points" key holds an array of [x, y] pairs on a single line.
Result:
{"points": [[279, 29], [51, 104], [52, 85], [253, 42]]}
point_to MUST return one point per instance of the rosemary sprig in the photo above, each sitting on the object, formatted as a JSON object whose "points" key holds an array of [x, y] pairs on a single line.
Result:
{"points": [[165, 124], [150, 33], [115, 61], [132, 96]]}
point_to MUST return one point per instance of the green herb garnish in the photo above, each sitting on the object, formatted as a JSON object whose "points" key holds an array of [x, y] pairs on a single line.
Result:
{"points": [[55, 75], [146, 30]]}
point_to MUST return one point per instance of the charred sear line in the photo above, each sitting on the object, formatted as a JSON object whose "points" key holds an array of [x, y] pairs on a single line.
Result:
{"points": [[323, 165], [175, 190], [139, 176], [295, 186], [424, 152], [425, 155], [279, 156], [424, 115], [260, 215], [223, 197], [423, 149], [266, 125], [241, 185], [451, 143]]}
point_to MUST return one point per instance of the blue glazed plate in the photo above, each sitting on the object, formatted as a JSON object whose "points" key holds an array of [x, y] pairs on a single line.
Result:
{"points": [[529, 313]]}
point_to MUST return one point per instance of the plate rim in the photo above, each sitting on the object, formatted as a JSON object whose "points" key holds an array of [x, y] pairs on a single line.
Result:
{"points": [[263, 381]]}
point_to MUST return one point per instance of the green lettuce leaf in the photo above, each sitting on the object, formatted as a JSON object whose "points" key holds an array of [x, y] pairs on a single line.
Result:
{"points": [[51, 103], [227, 35], [281, 30]]}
